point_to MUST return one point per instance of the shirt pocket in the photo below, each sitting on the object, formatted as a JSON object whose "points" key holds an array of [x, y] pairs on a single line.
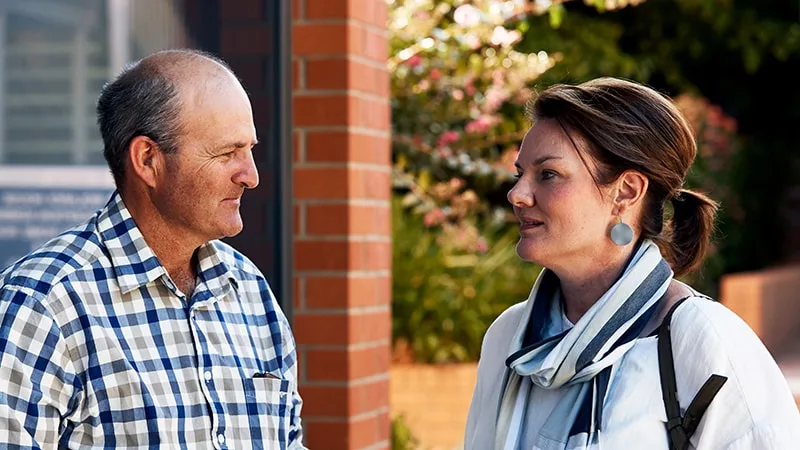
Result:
{"points": [[271, 399]]}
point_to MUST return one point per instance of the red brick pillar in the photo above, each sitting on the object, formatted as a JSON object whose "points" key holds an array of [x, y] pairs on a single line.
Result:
{"points": [[342, 315]]}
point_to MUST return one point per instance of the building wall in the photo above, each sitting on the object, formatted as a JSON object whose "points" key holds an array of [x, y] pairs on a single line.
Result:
{"points": [[342, 249]]}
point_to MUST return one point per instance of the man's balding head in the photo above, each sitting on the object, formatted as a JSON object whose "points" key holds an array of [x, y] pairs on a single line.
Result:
{"points": [[147, 98]]}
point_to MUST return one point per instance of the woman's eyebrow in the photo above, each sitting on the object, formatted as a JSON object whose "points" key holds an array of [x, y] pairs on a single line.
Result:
{"points": [[539, 161]]}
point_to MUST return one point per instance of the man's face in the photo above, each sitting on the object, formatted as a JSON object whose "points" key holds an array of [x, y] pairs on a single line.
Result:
{"points": [[200, 191]]}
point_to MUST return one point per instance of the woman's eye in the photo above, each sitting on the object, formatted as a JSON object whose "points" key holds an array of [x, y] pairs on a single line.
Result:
{"points": [[547, 174]]}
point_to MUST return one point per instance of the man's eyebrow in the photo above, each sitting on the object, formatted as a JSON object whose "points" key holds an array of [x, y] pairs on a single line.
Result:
{"points": [[239, 144]]}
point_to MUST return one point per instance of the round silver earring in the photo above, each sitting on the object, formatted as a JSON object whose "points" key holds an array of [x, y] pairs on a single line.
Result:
{"points": [[621, 233]]}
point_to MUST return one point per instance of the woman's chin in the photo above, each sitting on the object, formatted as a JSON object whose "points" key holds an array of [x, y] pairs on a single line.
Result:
{"points": [[527, 251]]}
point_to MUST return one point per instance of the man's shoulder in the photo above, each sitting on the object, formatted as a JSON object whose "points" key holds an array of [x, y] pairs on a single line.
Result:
{"points": [[55, 260], [237, 262]]}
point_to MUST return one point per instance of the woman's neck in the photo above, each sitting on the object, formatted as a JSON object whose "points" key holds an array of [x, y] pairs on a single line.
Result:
{"points": [[581, 287]]}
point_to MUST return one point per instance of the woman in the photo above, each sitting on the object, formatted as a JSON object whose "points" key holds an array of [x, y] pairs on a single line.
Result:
{"points": [[577, 364]]}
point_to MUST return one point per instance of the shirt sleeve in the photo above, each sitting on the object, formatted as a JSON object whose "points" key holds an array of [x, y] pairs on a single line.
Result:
{"points": [[38, 385], [755, 407]]}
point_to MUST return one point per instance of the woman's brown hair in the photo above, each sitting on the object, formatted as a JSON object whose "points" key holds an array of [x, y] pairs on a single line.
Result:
{"points": [[628, 126]]}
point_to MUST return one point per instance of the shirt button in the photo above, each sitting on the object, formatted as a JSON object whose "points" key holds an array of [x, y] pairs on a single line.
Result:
{"points": [[221, 439], [207, 376]]}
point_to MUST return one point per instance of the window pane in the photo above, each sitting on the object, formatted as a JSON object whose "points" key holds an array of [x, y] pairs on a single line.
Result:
{"points": [[55, 56]]}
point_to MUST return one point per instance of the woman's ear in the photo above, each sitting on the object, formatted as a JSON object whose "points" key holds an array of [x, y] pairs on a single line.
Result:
{"points": [[631, 189], [146, 161]]}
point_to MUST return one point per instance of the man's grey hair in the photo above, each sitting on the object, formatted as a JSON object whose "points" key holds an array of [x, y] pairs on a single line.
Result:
{"points": [[143, 100]]}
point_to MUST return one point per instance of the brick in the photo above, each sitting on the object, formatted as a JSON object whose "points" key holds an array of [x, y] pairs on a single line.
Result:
{"points": [[297, 218], [297, 292], [347, 292], [373, 12], [383, 423], [343, 218], [341, 183], [320, 39], [343, 146], [368, 430], [330, 435], [368, 42], [320, 329], [342, 255], [342, 329], [321, 183], [297, 9], [325, 255], [369, 396], [370, 327], [340, 109], [297, 73], [297, 143], [320, 110], [327, 74], [346, 434], [242, 10], [246, 40], [369, 113], [340, 39], [340, 73], [325, 401], [250, 70], [342, 365]]}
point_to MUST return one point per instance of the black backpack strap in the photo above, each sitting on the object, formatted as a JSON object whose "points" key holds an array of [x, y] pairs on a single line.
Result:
{"points": [[680, 429]]}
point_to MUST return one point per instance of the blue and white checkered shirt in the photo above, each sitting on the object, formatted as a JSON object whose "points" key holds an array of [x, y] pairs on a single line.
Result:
{"points": [[98, 348]]}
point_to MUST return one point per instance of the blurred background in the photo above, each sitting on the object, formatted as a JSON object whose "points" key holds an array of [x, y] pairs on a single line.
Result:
{"points": [[389, 131], [461, 73]]}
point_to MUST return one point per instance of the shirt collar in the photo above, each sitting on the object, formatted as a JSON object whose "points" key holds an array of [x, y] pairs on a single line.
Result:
{"points": [[213, 270], [134, 262]]}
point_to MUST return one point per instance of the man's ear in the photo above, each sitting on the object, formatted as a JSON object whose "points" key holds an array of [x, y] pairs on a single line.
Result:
{"points": [[631, 189], [146, 160]]}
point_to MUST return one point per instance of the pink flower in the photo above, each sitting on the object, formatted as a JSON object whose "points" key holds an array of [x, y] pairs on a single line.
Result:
{"points": [[414, 61], [435, 74], [447, 138], [495, 97], [481, 246], [481, 124], [503, 37], [469, 87], [434, 217], [467, 15]]}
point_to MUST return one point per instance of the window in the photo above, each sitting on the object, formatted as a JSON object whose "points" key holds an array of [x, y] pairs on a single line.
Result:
{"points": [[55, 56]]}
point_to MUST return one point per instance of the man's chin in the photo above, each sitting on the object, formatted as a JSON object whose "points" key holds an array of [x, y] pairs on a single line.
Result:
{"points": [[232, 228]]}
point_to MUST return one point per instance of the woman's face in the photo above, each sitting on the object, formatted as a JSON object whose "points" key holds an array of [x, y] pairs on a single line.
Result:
{"points": [[563, 214]]}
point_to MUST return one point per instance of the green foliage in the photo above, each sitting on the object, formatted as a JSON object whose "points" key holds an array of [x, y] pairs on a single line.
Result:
{"points": [[401, 436], [462, 72], [444, 299]]}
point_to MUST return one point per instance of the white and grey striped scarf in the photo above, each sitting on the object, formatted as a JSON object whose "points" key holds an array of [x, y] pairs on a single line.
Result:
{"points": [[579, 359]]}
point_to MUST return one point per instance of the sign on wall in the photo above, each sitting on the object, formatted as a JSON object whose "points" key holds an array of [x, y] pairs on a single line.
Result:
{"points": [[39, 202]]}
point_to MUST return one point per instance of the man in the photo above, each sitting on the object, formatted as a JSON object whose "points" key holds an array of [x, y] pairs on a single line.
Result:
{"points": [[139, 329]]}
